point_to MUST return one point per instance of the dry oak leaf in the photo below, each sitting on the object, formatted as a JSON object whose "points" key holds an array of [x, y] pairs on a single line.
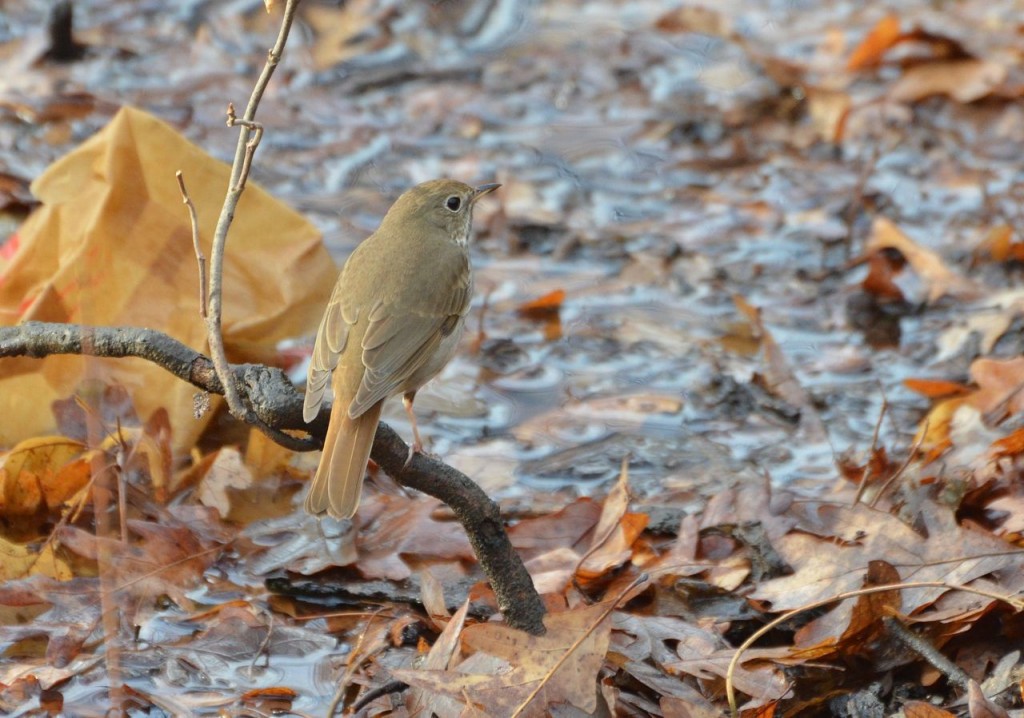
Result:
{"points": [[999, 382], [439, 658], [927, 264], [832, 550], [615, 532], [17, 561], [963, 80], [39, 470], [680, 647], [393, 526], [561, 666]]}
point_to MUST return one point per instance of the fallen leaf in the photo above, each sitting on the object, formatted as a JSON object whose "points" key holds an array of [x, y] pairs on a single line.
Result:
{"points": [[963, 80], [37, 467], [560, 666], [936, 388], [920, 709], [615, 532], [999, 385], [981, 707], [927, 264], [869, 52], [543, 307], [779, 378]]}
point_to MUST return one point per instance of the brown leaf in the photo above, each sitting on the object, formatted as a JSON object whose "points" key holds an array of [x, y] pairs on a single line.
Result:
{"points": [[392, 526], [696, 18], [869, 609], [17, 561], [424, 702], [433, 599], [561, 666], [837, 543], [779, 378], [981, 707], [879, 280], [927, 264], [615, 532], [964, 80], [999, 385], [680, 647], [563, 529], [1011, 445], [920, 709], [933, 436]]}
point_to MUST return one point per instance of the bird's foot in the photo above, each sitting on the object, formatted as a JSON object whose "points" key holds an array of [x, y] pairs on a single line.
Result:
{"points": [[414, 448]]}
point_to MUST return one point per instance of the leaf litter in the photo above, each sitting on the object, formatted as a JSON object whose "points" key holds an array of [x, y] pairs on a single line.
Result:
{"points": [[707, 213]]}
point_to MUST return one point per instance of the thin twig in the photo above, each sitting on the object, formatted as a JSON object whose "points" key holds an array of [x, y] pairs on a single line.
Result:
{"points": [[256, 130], [730, 690], [350, 670], [871, 453], [200, 257], [236, 184], [911, 455], [927, 651]]}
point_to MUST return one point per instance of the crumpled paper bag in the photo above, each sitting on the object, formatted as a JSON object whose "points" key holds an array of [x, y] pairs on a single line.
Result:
{"points": [[112, 245]]}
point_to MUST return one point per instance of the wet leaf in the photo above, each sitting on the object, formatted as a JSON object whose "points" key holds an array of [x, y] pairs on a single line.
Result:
{"points": [[560, 666], [882, 36], [963, 80], [543, 307], [927, 264]]}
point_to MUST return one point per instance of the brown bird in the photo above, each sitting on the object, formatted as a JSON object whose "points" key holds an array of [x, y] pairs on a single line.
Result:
{"points": [[392, 323]]}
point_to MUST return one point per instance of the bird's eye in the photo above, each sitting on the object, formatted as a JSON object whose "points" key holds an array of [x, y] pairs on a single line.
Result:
{"points": [[453, 203]]}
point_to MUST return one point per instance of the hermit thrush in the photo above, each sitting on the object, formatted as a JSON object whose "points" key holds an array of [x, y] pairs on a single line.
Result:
{"points": [[393, 322]]}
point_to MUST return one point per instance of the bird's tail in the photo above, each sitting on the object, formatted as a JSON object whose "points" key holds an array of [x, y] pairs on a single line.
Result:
{"points": [[339, 477]]}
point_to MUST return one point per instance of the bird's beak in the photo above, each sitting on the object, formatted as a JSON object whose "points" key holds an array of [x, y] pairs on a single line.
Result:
{"points": [[484, 189]]}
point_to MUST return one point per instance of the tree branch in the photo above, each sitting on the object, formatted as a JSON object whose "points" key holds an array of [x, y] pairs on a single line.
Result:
{"points": [[249, 136], [278, 404]]}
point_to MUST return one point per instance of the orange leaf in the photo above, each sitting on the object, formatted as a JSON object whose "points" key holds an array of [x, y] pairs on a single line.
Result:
{"points": [[1012, 445], [999, 243], [879, 281], [869, 52], [936, 428], [543, 307], [920, 709], [935, 388]]}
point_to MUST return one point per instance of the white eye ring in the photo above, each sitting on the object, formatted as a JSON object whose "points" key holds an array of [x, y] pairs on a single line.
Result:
{"points": [[453, 203]]}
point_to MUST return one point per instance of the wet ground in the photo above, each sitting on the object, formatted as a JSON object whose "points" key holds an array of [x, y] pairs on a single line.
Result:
{"points": [[653, 174]]}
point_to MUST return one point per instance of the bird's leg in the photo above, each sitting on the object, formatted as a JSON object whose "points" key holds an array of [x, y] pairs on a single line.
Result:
{"points": [[417, 443]]}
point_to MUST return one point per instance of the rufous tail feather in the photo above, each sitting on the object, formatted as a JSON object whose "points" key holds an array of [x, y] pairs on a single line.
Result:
{"points": [[339, 477]]}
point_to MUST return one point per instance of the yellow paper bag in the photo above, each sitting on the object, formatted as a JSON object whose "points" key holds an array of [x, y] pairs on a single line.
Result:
{"points": [[112, 245]]}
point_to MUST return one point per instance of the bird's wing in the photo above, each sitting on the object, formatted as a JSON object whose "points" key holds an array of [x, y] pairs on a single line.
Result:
{"points": [[331, 339], [400, 338]]}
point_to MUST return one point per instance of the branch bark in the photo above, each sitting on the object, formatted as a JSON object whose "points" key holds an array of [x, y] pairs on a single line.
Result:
{"points": [[278, 404]]}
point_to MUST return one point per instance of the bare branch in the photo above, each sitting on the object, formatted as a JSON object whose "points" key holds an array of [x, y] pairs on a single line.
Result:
{"points": [[200, 257], [279, 405], [239, 171]]}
